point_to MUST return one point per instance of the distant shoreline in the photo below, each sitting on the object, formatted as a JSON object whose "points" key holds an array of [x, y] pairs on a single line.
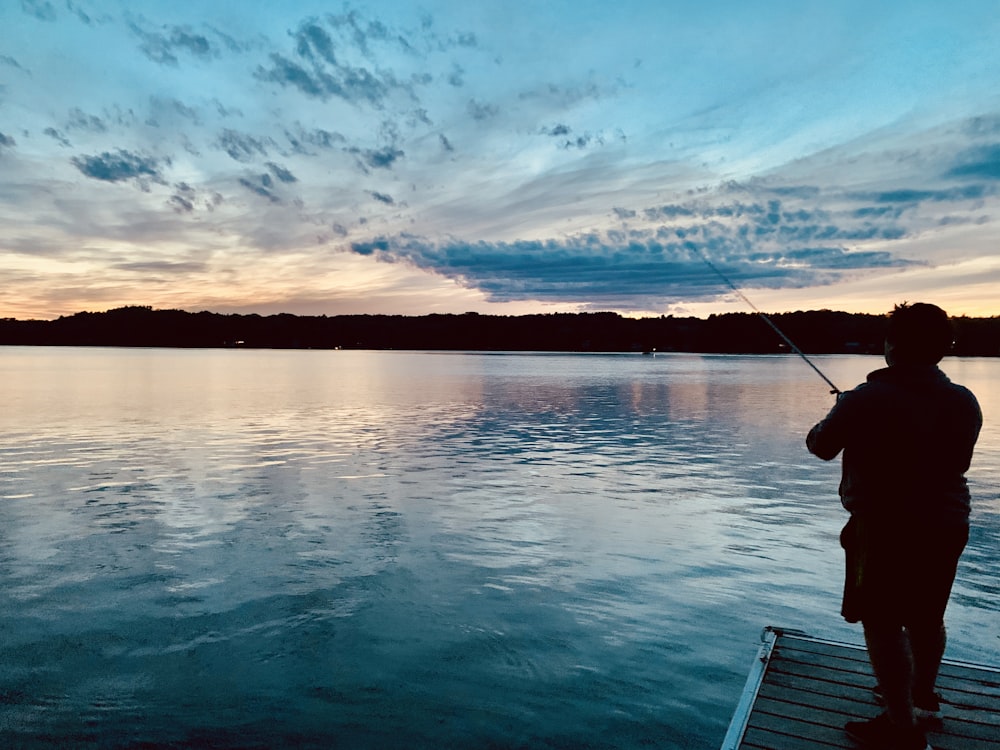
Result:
{"points": [[814, 332]]}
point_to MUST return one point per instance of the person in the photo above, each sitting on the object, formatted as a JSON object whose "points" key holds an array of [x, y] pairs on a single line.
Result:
{"points": [[907, 436]]}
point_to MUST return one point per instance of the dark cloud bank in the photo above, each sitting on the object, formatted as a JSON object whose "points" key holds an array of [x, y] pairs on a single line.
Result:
{"points": [[628, 275], [657, 255], [758, 235]]}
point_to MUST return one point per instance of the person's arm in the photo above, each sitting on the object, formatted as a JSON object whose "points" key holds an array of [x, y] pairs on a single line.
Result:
{"points": [[828, 437]]}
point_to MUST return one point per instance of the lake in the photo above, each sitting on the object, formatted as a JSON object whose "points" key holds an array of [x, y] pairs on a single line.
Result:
{"points": [[355, 549]]}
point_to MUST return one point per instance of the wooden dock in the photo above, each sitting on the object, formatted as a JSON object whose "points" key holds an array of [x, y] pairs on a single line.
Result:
{"points": [[801, 690]]}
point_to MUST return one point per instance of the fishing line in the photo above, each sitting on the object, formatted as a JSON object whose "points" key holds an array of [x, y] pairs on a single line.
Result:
{"points": [[764, 317]]}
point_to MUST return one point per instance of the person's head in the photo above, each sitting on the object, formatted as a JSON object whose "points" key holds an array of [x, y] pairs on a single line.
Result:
{"points": [[918, 334]]}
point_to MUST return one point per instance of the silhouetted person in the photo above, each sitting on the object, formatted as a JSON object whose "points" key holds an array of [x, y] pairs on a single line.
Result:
{"points": [[907, 434]]}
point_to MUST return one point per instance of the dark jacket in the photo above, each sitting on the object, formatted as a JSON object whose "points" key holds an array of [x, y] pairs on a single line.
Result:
{"points": [[907, 434]]}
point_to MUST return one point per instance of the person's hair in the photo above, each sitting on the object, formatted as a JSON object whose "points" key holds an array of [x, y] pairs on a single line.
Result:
{"points": [[920, 334]]}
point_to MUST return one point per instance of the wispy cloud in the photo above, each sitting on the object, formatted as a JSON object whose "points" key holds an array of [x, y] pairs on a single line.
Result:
{"points": [[120, 166], [281, 173], [170, 111], [481, 111], [308, 141], [12, 63], [381, 158], [243, 147], [183, 198], [261, 185], [162, 267], [186, 199], [315, 69], [43, 10], [164, 45], [57, 137], [981, 162], [80, 120], [80, 14]]}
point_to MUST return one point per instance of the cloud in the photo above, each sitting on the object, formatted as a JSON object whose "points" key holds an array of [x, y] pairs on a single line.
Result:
{"points": [[314, 44], [382, 197], [628, 271], [182, 201], [181, 204], [162, 267], [162, 46], [241, 146], [762, 234], [44, 10], [215, 199], [568, 97], [563, 132], [583, 141], [915, 195], [11, 62], [281, 173], [359, 32], [556, 130], [319, 72], [982, 162], [79, 13], [57, 137], [382, 158], [80, 120], [6, 141], [300, 138], [168, 109], [225, 111], [40, 9], [417, 117], [121, 166], [287, 73], [349, 83], [263, 186], [982, 125], [793, 216], [381, 246], [481, 111]]}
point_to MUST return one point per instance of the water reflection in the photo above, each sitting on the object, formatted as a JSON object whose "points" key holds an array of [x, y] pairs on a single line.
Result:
{"points": [[359, 547]]}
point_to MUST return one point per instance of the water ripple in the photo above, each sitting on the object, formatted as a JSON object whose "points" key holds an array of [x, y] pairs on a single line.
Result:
{"points": [[323, 549]]}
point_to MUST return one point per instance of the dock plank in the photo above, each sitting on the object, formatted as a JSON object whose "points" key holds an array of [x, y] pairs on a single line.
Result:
{"points": [[764, 739], [854, 703], [803, 690]]}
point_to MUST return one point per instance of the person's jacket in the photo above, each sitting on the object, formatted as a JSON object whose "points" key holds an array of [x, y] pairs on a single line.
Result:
{"points": [[907, 434]]}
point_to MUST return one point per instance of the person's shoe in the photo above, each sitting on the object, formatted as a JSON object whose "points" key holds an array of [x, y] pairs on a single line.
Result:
{"points": [[925, 707], [881, 734]]}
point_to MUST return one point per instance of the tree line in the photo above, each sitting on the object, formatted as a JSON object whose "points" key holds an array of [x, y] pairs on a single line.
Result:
{"points": [[814, 332]]}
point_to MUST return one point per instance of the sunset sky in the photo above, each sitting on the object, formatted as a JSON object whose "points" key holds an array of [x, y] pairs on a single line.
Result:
{"points": [[499, 157]]}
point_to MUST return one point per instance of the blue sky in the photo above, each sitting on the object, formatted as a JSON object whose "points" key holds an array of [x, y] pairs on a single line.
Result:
{"points": [[502, 157]]}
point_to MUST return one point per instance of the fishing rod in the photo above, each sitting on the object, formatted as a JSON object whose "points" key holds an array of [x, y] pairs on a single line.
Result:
{"points": [[833, 389]]}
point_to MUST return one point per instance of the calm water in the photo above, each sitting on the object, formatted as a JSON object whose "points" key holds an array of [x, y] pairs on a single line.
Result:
{"points": [[387, 549]]}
